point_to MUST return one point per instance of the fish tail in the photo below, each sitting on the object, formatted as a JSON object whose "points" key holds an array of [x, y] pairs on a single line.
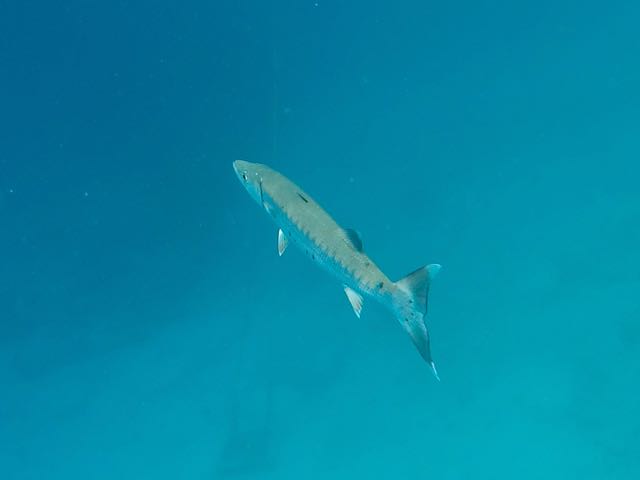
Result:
{"points": [[410, 304]]}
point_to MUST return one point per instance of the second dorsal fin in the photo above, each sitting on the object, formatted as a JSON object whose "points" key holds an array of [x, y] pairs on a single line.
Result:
{"points": [[354, 238]]}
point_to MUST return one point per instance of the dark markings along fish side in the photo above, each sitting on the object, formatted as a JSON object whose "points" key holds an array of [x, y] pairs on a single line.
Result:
{"points": [[340, 251]]}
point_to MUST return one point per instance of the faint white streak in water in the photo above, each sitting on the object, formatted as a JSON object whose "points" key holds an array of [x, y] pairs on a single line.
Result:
{"points": [[231, 218], [275, 116]]}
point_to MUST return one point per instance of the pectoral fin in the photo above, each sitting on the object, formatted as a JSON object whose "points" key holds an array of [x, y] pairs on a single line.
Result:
{"points": [[355, 299], [283, 241]]}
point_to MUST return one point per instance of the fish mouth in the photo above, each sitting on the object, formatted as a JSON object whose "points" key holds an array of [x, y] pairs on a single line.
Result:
{"points": [[242, 170], [237, 166]]}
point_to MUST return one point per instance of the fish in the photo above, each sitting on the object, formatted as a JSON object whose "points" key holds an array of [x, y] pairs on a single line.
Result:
{"points": [[340, 251]]}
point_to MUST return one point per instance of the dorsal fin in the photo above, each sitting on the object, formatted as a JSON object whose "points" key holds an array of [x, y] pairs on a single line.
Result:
{"points": [[354, 238]]}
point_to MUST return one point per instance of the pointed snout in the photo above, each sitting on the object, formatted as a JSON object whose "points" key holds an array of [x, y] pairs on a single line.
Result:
{"points": [[249, 175], [239, 166]]}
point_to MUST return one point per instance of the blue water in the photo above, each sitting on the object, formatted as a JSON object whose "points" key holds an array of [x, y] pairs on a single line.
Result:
{"points": [[148, 328]]}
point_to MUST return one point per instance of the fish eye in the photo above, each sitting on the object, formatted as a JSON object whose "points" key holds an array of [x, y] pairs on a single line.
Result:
{"points": [[244, 176]]}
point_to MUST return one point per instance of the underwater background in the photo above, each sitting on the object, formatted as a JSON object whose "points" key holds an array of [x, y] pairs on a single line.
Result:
{"points": [[148, 328]]}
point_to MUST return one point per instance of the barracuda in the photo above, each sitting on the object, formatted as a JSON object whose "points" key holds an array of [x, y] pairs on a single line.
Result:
{"points": [[301, 221]]}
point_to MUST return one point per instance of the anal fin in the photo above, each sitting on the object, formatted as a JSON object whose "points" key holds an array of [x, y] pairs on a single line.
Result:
{"points": [[283, 241], [355, 299]]}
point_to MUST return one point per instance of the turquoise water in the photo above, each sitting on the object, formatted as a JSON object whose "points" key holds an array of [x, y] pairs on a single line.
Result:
{"points": [[148, 328]]}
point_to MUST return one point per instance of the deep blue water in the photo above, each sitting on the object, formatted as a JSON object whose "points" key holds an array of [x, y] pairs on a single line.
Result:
{"points": [[148, 328]]}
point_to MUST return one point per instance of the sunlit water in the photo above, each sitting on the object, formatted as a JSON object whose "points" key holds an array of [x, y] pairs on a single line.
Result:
{"points": [[148, 328]]}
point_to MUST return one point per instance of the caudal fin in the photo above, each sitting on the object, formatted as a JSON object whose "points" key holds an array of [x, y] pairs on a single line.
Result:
{"points": [[411, 307], [416, 285]]}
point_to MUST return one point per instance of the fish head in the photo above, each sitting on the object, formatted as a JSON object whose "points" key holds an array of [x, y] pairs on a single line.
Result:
{"points": [[250, 176]]}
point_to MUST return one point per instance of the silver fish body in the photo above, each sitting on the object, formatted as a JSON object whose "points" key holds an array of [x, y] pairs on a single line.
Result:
{"points": [[303, 222]]}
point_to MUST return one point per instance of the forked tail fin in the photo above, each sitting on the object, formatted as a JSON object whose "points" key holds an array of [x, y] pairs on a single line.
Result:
{"points": [[411, 307], [416, 285]]}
